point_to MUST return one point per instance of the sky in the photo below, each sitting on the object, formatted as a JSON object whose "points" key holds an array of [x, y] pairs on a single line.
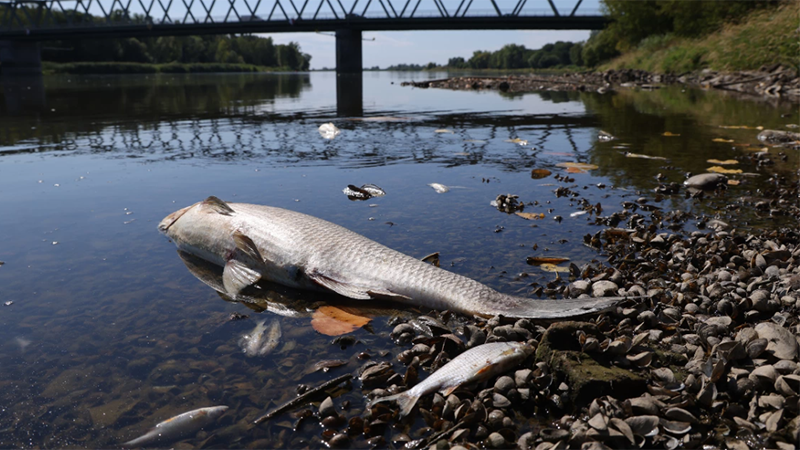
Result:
{"points": [[421, 47]]}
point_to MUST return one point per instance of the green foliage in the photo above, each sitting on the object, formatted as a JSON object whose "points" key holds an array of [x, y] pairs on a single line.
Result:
{"points": [[576, 54], [600, 47], [170, 49], [513, 56], [636, 22]]}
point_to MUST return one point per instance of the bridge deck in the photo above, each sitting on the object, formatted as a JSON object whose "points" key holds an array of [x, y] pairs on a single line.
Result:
{"points": [[64, 19]]}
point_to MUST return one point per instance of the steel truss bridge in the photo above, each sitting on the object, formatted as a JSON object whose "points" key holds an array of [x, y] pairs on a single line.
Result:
{"points": [[37, 20]]}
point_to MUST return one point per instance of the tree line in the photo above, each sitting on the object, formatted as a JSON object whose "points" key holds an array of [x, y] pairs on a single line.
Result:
{"points": [[228, 49]]}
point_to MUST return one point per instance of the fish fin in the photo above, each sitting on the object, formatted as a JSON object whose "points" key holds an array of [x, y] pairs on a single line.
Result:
{"points": [[218, 205], [450, 390], [237, 276], [246, 245], [485, 369], [404, 400], [382, 294], [340, 287]]}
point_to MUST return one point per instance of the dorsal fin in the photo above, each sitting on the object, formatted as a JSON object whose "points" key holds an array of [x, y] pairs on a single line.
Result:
{"points": [[218, 205]]}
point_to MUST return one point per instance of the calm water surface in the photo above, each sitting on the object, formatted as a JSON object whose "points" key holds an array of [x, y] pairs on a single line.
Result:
{"points": [[107, 332]]}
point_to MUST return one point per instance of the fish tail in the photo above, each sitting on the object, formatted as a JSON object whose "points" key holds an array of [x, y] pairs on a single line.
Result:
{"points": [[404, 400], [556, 309]]}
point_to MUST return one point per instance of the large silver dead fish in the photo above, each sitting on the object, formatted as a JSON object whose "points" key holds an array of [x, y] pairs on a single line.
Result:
{"points": [[177, 427], [476, 364], [254, 242]]}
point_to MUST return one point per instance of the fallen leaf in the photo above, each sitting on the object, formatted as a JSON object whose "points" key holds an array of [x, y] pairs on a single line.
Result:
{"points": [[332, 321], [726, 162], [540, 173], [443, 130], [733, 182], [727, 141], [553, 268], [517, 141], [577, 165], [575, 170], [537, 260], [668, 134], [636, 155], [530, 216], [719, 169]]}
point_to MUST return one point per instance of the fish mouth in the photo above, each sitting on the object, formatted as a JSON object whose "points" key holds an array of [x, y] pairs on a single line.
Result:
{"points": [[164, 225]]}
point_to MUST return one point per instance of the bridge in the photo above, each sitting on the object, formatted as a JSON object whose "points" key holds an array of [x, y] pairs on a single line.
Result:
{"points": [[24, 23]]}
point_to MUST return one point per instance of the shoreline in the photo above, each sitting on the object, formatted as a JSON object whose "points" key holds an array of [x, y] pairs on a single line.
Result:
{"points": [[774, 82]]}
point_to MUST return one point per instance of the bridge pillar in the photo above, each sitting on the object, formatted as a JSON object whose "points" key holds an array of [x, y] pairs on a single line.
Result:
{"points": [[20, 58], [348, 51], [349, 79]]}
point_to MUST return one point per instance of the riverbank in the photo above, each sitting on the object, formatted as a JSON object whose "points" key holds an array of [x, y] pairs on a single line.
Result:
{"points": [[774, 81], [117, 68]]}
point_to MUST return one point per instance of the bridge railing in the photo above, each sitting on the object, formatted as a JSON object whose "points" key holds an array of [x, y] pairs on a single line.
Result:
{"points": [[32, 15]]}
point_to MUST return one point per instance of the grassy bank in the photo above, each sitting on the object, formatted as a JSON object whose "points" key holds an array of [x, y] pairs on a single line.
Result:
{"points": [[764, 37], [115, 68]]}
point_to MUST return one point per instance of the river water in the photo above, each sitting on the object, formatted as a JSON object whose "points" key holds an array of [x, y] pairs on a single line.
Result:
{"points": [[106, 332]]}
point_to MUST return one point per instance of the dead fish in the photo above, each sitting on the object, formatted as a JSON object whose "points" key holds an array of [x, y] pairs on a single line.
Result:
{"points": [[262, 340], [328, 130], [179, 426], [366, 191], [254, 242], [439, 188], [476, 364]]}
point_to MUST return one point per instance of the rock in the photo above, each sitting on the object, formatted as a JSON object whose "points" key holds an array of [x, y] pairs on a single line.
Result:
{"points": [[604, 288], [326, 408], [579, 287], [780, 342], [495, 440], [778, 136], [504, 384], [706, 181]]}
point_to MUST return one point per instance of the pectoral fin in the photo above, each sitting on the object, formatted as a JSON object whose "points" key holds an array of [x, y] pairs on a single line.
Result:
{"points": [[354, 291], [450, 390], [247, 246], [236, 276]]}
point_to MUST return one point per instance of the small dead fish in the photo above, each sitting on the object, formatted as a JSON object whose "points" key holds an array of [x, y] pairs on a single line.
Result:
{"points": [[262, 340], [476, 364], [178, 426], [364, 192], [439, 188], [328, 130]]}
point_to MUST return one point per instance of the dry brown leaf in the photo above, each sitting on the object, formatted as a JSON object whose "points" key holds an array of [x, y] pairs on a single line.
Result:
{"points": [[333, 321], [540, 173], [726, 162], [733, 182], [667, 133], [727, 141], [575, 170], [530, 216], [577, 165], [538, 260], [719, 169]]}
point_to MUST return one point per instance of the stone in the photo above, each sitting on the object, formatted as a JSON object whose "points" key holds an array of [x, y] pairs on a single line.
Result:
{"points": [[604, 288], [326, 408]]}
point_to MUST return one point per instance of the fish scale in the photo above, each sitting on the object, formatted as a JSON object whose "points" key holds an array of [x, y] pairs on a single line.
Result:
{"points": [[306, 252]]}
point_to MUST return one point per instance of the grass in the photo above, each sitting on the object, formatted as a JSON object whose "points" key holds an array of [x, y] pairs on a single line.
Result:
{"points": [[765, 37], [114, 68]]}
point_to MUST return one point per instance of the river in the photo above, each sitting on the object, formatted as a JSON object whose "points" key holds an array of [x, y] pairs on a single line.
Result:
{"points": [[105, 332]]}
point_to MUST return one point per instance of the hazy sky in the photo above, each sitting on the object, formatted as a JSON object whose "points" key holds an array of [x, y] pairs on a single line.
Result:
{"points": [[422, 47]]}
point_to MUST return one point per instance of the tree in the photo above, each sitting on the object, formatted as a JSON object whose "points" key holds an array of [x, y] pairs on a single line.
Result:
{"points": [[576, 54]]}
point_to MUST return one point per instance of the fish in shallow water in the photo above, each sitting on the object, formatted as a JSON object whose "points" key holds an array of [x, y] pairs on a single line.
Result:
{"points": [[262, 340], [476, 364], [254, 242], [178, 427]]}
